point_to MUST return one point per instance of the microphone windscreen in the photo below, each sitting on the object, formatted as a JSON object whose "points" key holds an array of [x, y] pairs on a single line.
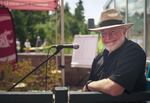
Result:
{"points": [[76, 46]]}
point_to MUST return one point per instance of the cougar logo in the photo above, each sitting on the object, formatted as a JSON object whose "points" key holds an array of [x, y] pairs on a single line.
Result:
{"points": [[5, 39]]}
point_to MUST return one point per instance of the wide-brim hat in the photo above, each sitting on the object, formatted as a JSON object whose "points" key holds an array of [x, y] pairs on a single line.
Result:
{"points": [[111, 18]]}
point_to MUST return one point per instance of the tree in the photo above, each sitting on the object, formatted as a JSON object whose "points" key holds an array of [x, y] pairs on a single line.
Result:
{"points": [[79, 11], [20, 25], [80, 18], [29, 24], [74, 23]]}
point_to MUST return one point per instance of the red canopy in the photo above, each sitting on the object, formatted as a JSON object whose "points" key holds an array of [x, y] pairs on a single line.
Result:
{"points": [[30, 4]]}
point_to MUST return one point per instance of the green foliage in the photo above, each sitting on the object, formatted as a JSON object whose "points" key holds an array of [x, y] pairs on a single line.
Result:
{"points": [[75, 24], [26, 25], [29, 24], [79, 11], [36, 81]]}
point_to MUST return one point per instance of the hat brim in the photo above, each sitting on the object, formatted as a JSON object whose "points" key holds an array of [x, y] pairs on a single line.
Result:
{"points": [[127, 26]]}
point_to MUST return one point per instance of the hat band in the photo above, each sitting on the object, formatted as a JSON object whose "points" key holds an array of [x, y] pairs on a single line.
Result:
{"points": [[111, 22]]}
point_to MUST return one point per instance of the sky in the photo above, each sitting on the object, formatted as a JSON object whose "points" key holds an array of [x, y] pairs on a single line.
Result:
{"points": [[92, 8]]}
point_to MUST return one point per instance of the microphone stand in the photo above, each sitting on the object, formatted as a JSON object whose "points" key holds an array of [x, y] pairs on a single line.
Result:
{"points": [[57, 51]]}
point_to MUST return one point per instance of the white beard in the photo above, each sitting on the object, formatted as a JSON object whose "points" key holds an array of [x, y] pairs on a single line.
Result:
{"points": [[115, 45]]}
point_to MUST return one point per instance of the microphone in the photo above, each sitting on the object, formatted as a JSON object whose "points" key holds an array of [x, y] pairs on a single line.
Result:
{"points": [[61, 46]]}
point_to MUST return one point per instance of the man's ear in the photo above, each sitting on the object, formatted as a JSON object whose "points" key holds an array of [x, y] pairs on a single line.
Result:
{"points": [[125, 30]]}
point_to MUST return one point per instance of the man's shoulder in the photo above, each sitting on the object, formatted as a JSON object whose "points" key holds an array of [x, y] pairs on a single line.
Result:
{"points": [[133, 45]]}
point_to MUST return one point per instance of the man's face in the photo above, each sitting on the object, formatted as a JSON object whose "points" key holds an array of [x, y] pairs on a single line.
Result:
{"points": [[112, 38]]}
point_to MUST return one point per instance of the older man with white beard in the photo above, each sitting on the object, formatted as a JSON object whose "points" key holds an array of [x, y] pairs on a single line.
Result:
{"points": [[120, 68]]}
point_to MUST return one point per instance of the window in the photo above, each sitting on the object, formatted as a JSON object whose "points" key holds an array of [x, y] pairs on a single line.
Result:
{"points": [[148, 29], [136, 16]]}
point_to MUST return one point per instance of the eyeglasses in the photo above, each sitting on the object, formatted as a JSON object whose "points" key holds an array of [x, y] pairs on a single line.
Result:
{"points": [[112, 34]]}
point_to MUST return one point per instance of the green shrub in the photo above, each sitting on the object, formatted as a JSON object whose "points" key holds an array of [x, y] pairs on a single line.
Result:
{"points": [[36, 81]]}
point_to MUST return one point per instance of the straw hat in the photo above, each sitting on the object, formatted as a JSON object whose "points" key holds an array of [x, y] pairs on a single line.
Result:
{"points": [[111, 18]]}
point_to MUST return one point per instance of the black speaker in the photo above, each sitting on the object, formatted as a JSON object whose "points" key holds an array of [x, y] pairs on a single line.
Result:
{"points": [[91, 23]]}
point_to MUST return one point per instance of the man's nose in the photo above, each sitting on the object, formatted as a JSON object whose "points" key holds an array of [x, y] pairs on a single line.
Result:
{"points": [[108, 36]]}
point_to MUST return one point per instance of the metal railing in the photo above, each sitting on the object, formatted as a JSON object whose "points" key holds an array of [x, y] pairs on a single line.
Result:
{"points": [[26, 97], [63, 95]]}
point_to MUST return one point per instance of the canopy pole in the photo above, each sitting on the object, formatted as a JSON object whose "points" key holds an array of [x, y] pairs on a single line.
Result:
{"points": [[62, 41]]}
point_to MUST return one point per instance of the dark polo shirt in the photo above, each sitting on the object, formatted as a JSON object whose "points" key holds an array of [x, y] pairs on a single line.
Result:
{"points": [[125, 66]]}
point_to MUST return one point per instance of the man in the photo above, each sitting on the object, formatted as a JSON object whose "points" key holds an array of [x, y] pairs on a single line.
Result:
{"points": [[121, 66]]}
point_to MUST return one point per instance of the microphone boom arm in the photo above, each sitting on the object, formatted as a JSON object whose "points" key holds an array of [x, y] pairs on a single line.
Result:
{"points": [[50, 57]]}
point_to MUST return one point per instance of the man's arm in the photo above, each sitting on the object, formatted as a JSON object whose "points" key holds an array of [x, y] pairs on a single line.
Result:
{"points": [[106, 86]]}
